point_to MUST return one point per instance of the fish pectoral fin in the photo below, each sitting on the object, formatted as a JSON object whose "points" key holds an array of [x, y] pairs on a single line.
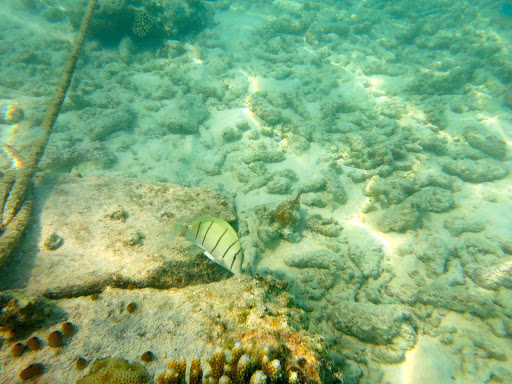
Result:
{"points": [[208, 255]]}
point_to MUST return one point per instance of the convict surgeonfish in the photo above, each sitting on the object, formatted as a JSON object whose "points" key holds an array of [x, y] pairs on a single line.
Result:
{"points": [[217, 239]]}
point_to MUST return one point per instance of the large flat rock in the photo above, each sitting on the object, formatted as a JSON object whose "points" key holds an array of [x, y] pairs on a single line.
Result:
{"points": [[115, 232]]}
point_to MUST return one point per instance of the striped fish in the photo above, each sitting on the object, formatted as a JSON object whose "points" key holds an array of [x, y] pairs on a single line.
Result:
{"points": [[217, 239]]}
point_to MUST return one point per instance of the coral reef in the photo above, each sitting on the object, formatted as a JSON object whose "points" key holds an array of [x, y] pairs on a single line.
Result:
{"points": [[146, 19]]}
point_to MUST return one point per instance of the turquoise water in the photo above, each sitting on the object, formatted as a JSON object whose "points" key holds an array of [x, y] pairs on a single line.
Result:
{"points": [[390, 121]]}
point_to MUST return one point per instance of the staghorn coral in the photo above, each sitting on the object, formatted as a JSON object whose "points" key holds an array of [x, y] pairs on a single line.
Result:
{"points": [[116, 371], [248, 363]]}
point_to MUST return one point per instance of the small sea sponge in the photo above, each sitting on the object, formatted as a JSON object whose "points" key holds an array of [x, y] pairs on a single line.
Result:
{"points": [[18, 349], [131, 307], [34, 343], [53, 242], [68, 329], [81, 363], [115, 370], [55, 339], [33, 370], [147, 356]]}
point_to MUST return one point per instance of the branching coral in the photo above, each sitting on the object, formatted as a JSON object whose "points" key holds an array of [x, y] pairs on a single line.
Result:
{"points": [[241, 364]]}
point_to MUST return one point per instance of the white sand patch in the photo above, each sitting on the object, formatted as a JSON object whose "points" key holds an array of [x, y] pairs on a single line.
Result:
{"points": [[428, 363]]}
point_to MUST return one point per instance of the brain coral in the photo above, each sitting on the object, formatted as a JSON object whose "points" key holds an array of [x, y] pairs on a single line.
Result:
{"points": [[115, 370]]}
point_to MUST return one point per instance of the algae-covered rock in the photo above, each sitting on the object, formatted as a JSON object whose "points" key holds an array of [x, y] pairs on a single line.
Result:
{"points": [[390, 191], [458, 224], [460, 299], [325, 226], [493, 276], [279, 185], [476, 171], [336, 190], [432, 199], [317, 258], [490, 145], [400, 218], [377, 324], [264, 153], [368, 260], [105, 122], [115, 370], [184, 116], [433, 250]]}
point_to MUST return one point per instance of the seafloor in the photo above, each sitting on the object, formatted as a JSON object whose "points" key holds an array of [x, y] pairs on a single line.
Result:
{"points": [[394, 120]]}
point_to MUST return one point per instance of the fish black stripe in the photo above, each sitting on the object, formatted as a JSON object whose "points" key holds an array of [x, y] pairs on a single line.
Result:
{"points": [[229, 248], [204, 238], [218, 241], [198, 228], [234, 258]]}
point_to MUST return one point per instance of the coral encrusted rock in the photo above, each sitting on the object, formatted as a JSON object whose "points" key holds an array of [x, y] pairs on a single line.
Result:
{"points": [[116, 371]]}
